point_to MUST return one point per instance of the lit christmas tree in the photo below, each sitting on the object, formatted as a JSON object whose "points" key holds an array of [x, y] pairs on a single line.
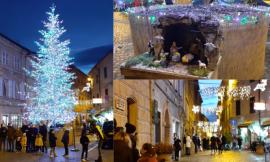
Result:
{"points": [[52, 98]]}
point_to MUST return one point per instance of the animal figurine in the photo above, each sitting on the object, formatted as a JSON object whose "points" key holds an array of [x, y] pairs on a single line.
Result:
{"points": [[87, 88], [201, 64]]}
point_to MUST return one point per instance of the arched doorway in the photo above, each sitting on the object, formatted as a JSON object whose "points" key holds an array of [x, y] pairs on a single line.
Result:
{"points": [[132, 111], [167, 127]]}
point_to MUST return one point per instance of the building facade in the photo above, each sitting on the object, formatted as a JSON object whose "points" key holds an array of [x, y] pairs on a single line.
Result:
{"points": [[14, 58], [101, 78], [155, 107]]}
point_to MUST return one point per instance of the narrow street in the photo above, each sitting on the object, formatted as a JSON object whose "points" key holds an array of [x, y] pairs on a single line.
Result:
{"points": [[107, 155], [227, 156]]}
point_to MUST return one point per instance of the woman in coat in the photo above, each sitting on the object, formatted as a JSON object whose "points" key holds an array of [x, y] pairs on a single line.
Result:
{"points": [[84, 141], [188, 145], [52, 142]]}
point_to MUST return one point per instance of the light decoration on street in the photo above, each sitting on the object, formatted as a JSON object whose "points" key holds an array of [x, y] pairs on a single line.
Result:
{"points": [[87, 88], [241, 92], [261, 86], [196, 109], [52, 98]]}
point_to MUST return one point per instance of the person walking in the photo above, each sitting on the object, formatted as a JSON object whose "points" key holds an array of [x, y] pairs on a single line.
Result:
{"points": [[224, 142], [24, 142], [84, 141], [148, 153], [219, 144], [195, 142], [52, 142], [177, 149], [213, 144], [65, 141], [38, 142], [188, 144], [11, 137], [239, 140], [3, 136]]}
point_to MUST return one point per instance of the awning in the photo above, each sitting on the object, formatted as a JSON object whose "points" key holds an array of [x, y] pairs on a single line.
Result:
{"points": [[245, 124]]}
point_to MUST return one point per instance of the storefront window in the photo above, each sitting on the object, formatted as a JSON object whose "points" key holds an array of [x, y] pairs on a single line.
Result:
{"points": [[5, 119], [16, 121]]}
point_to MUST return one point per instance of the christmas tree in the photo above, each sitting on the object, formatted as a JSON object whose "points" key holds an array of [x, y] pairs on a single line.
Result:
{"points": [[52, 98]]}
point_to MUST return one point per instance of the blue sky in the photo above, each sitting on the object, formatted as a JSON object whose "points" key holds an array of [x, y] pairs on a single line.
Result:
{"points": [[88, 23]]}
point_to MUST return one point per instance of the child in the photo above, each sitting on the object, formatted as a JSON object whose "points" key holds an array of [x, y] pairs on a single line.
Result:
{"points": [[24, 142], [38, 142]]}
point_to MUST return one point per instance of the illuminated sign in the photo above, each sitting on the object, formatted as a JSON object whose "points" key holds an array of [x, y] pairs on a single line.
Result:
{"points": [[259, 106]]}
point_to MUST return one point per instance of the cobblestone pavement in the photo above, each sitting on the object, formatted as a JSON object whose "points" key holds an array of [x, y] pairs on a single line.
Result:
{"points": [[123, 47], [227, 156], [73, 156]]}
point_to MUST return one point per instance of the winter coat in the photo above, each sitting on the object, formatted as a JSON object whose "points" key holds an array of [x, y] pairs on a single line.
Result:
{"points": [[122, 152], [3, 132], [24, 141], [177, 144], [84, 140], [43, 131], [188, 142], [39, 141], [52, 140], [148, 159], [11, 133], [65, 138]]}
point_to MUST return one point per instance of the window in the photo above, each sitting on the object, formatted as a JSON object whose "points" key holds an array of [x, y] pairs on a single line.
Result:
{"points": [[105, 72], [238, 107], [5, 88], [16, 62], [1, 86], [106, 92], [5, 119], [4, 58], [251, 105]]}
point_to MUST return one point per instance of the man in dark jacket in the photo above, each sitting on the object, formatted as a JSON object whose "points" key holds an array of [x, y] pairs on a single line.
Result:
{"points": [[43, 131], [131, 131], [11, 137], [177, 148], [3, 136], [65, 141], [84, 141], [52, 142]]}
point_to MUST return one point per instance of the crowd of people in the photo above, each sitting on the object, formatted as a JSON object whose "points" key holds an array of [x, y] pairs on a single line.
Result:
{"points": [[30, 138], [125, 146]]}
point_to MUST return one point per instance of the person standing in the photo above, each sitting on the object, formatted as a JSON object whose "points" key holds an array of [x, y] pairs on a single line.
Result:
{"points": [[122, 147], [38, 142], [188, 145], [219, 143], [11, 137], [24, 142], [52, 142], [131, 131], [3, 136], [84, 141], [65, 141], [177, 149], [43, 131]]}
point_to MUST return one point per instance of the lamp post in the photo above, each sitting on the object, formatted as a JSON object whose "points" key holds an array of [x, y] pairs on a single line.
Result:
{"points": [[87, 89]]}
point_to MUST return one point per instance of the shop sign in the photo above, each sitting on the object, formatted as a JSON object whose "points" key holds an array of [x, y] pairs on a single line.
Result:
{"points": [[119, 104]]}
